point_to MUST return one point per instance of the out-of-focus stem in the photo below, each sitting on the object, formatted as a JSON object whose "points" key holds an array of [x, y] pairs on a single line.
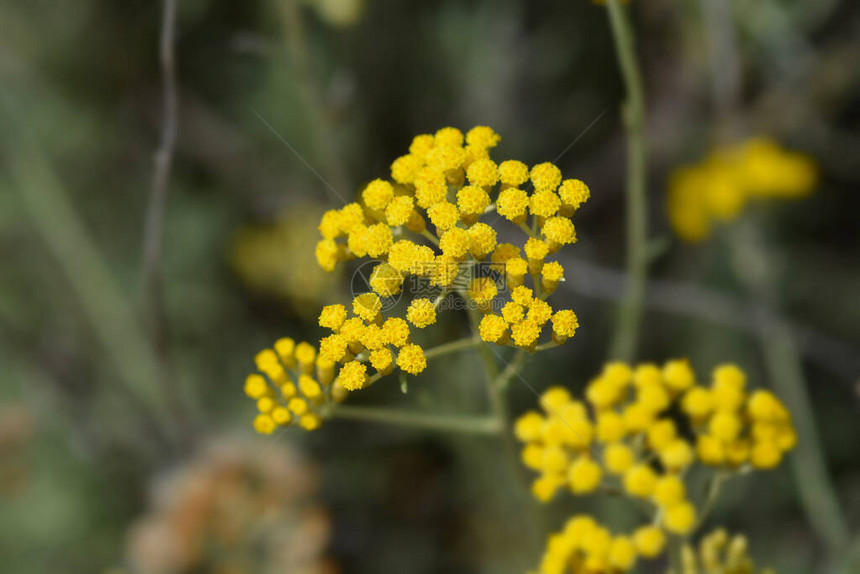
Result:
{"points": [[487, 425], [109, 311], [627, 328], [785, 371]]}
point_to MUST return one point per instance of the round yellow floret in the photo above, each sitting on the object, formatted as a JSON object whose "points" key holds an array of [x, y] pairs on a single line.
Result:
{"points": [[482, 290], [310, 421], [443, 215], [527, 428], [513, 312], [373, 338], [351, 216], [328, 254], [286, 347], [367, 306], [554, 398], [618, 458], [765, 455], [493, 328], [564, 325], [532, 456], [539, 311], [402, 255], [661, 434], [640, 480], [332, 317], [679, 375], [573, 193], [522, 295], [448, 136], [396, 331], [710, 450], [545, 487], [256, 386], [421, 313], [504, 252], [483, 173], [298, 406], [512, 204], [385, 280], [430, 188], [670, 490], [552, 272], [377, 194], [482, 137], [264, 424], [329, 226], [482, 240], [399, 210], [545, 177], [352, 329], [454, 242], [382, 360], [310, 387], [729, 376], [584, 475], [553, 459], [265, 404], [647, 374], [559, 231], [725, 426], [697, 403], [472, 201], [405, 168], [421, 144], [622, 553], [525, 333], [353, 376], [334, 348], [680, 518], [536, 250], [513, 172], [544, 203], [649, 541], [281, 416], [411, 359]]}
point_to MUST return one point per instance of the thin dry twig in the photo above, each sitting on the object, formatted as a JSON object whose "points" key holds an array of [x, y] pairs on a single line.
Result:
{"points": [[153, 238]]}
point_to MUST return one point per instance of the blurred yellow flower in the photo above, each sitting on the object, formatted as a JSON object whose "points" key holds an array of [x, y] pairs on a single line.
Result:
{"points": [[719, 187]]}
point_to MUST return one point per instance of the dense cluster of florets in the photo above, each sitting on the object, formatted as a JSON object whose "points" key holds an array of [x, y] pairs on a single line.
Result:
{"points": [[439, 193], [292, 386], [718, 188], [639, 429]]}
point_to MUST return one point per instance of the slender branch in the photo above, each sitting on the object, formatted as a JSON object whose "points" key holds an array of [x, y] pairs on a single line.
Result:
{"points": [[627, 328], [104, 303], [704, 304], [785, 370], [485, 425], [452, 347], [153, 234]]}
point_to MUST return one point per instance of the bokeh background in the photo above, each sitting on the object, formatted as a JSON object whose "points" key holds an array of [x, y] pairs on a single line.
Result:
{"points": [[117, 455]]}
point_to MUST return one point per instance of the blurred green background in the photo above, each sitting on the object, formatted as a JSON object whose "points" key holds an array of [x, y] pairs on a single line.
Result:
{"points": [[116, 456]]}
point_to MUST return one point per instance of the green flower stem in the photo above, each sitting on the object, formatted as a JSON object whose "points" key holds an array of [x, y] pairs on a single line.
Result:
{"points": [[714, 486], [78, 256], [630, 316], [785, 371], [485, 425], [452, 347], [430, 237]]}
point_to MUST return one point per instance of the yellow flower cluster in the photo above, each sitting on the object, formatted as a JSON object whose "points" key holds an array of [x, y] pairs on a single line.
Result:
{"points": [[625, 435], [718, 188], [721, 554], [294, 382], [449, 179], [439, 191], [366, 337], [584, 546]]}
